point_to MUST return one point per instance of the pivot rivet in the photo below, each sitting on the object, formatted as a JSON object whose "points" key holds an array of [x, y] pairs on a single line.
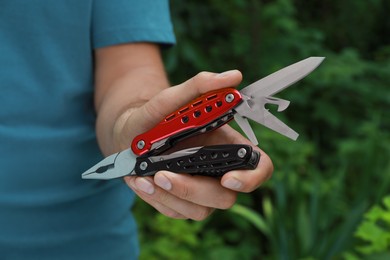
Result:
{"points": [[141, 144], [143, 166], [229, 98], [241, 152]]}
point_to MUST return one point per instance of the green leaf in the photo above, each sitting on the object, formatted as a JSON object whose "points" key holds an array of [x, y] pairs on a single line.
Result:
{"points": [[250, 215]]}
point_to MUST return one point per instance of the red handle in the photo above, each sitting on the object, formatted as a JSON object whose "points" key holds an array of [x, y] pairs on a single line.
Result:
{"points": [[199, 113]]}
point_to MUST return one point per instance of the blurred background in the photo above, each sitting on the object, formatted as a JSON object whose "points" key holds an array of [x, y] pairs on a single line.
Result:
{"points": [[329, 197]]}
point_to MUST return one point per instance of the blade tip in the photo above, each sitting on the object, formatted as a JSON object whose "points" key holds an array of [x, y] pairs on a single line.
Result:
{"points": [[318, 59], [86, 176]]}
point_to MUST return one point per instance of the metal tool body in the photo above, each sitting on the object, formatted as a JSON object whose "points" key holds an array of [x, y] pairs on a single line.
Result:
{"points": [[208, 161], [202, 115]]}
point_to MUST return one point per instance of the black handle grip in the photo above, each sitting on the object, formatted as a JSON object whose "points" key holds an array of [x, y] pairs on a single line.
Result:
{"points": [[212, 161]]}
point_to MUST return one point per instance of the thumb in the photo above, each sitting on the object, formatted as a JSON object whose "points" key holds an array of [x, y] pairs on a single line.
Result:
{"points": [[171, 99]]}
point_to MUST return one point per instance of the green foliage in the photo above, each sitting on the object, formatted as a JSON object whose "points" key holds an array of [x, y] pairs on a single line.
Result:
{"points": [[375, 229], [374, 234], [171, 239], [165, 238], [338, 168]]}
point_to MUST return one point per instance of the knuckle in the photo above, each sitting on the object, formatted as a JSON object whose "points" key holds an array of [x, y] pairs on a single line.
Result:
{"points": [[200, 83], [201, 78], [185, 193], [164, 198], [203, 75]]}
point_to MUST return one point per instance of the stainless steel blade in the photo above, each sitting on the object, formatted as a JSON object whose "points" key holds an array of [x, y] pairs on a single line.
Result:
{"points": [[246, 128], [114, 166], [283, 78]]}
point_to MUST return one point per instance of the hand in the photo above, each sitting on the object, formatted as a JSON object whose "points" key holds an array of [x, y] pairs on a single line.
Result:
{"points": [[181, 195]]}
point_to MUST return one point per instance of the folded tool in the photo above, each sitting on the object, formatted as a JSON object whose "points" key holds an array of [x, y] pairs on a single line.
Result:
{"points": [[202, 115]]}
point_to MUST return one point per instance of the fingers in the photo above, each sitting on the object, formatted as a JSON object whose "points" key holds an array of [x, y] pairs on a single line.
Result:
{"points": [[200, 190], [250, 180], [181, 195], [195, 197], [241, 181]]}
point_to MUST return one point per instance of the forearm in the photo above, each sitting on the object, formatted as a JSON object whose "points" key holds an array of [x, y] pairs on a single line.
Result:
{"points": [[123, 84]]}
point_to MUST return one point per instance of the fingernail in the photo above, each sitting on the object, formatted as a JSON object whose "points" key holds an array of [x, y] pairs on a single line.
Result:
{"points": [[144, 185], [232, 184], [162, 181], [226, 73]]}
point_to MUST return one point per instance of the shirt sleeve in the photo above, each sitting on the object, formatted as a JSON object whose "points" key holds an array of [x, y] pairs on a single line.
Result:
{"points": [[124, 21]]}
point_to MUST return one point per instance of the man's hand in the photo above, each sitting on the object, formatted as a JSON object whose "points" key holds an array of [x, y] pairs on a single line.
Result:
{"points": [[132, 96], [182, 195]]}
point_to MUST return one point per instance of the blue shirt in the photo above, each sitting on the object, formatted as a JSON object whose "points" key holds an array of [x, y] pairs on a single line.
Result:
{"points": [[47, 135]]}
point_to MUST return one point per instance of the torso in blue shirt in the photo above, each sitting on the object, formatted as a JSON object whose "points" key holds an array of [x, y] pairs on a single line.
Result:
{"points": [[47, 136]]}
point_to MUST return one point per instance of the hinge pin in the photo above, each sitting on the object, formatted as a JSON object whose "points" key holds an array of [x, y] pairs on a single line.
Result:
{"points": [[241, 152], [141, 144], [143, 166], [229, 98]]}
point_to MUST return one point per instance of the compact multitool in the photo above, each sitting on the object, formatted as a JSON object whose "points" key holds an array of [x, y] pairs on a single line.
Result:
{"points": [[202, 115]]}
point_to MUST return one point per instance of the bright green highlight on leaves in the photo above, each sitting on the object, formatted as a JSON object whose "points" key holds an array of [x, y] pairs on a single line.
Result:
{"points": [[375, 229]]}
